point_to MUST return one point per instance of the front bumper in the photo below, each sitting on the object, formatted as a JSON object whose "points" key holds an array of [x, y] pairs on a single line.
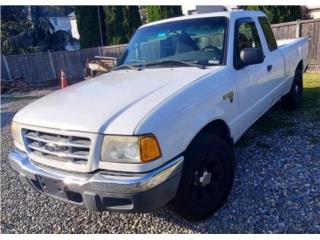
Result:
{"points": [[102, 190]]}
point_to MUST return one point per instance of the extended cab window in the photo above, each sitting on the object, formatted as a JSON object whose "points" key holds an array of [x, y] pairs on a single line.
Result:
{"points": [[246, 37], [267, 30]]}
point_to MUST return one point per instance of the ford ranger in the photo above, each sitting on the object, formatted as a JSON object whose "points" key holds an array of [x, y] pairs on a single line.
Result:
{"points": [[161, 126]]}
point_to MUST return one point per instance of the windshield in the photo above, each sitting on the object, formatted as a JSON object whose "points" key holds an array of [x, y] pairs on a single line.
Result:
{"points": [[200, 40]]}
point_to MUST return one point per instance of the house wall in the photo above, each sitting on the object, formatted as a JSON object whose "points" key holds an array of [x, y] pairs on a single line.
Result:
{"points": [[60, 23], [315, 13], [74, 28], [199, 9]]}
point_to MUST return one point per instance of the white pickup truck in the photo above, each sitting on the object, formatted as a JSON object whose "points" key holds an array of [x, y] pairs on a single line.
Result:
{"points": [[161, 126]]}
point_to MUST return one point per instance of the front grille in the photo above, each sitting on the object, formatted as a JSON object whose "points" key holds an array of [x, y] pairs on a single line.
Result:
{"points": [[57, 147]]}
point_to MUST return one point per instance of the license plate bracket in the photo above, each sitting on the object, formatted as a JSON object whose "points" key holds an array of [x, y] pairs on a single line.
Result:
{"points": [[52, 186]]}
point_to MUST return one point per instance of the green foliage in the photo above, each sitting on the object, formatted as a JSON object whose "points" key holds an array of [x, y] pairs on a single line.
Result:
{"points": [[88, 25], [122, 22], [155, 13], [131, 21], [143, 14], [278, 14], [25, 30], [14, 19], [114, 22]]}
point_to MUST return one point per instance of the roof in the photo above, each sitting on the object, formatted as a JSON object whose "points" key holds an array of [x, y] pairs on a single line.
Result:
{"points": [[313, 7], [228, 14], [72, 14], [53, 14]]}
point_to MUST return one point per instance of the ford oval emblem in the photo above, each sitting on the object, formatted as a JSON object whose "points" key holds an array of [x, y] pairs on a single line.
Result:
{"points": [[52, 147]]}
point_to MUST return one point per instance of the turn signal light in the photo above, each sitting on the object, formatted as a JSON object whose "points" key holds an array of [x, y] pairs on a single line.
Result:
{"points": [[149, 148]]}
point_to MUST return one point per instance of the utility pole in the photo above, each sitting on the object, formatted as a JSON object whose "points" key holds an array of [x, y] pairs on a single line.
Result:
{"points": [[100, 26]]}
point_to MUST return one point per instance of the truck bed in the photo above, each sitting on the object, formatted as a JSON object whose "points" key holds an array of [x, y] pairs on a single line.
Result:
{"points": [[293, 49]]}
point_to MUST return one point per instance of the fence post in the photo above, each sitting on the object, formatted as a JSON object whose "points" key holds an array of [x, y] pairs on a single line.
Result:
{"points": [[99, 49], [52, 66], [7, 66], [298, 29]]}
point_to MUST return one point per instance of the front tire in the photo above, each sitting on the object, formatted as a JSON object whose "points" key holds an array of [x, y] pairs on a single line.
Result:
{"points": [[293, 100], [207, 177]]}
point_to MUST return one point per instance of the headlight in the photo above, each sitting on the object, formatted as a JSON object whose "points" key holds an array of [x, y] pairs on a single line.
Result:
{"points": [[17, 136], [130, 149]]}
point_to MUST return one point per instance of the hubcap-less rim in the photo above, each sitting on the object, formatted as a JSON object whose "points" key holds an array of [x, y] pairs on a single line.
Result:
{"points": [[206, 180]]}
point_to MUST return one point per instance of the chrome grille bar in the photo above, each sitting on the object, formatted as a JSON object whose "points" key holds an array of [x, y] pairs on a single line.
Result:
{"points": [[60, 142], [60, 154], [57, 147]]}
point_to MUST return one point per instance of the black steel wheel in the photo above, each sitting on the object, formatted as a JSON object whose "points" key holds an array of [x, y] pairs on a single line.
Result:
{"points": [[293, 99], [207, 177]]}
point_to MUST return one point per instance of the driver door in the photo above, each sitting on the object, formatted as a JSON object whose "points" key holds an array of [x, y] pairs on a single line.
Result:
{"points": [[250, 80]]}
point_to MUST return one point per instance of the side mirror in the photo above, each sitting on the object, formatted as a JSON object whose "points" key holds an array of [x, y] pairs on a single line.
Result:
{"points": [[251, 56]]}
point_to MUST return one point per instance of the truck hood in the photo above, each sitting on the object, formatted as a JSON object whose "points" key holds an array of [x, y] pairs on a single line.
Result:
{"points": [[113, 103]]}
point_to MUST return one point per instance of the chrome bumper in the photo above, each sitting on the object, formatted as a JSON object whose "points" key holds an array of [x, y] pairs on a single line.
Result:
{"points": [[102, 190]]}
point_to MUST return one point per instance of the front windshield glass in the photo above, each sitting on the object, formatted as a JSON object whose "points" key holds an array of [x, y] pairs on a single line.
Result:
{"points": [[200, 40]]}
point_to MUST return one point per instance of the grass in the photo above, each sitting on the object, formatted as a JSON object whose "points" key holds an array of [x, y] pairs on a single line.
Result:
{"points": [[311, 95], [310, 108]]}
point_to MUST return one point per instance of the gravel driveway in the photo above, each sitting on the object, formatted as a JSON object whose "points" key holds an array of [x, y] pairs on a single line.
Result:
{"points": [[276, 189]]}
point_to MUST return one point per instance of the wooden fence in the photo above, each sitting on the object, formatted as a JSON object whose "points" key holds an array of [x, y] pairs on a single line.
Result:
{"points": [[44, 67], [304, 28]]}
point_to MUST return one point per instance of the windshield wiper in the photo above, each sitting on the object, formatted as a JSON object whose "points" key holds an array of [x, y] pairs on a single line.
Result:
{"points": [[138, 68], [175, 61]]}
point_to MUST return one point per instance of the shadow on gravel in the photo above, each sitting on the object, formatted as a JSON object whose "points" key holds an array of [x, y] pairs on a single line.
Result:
{"points": [[6, 118], [15, 98]]}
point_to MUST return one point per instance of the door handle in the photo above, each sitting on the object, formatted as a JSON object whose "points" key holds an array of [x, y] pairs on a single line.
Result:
{"points": [[269, 67]]}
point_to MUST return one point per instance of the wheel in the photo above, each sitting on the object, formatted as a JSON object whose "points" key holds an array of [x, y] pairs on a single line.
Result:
{"points": [[293, 99], [207, 177]]}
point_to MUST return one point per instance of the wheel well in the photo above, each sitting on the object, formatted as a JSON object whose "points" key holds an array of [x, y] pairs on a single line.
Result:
{"points": [[220, 129], [300, 66]]}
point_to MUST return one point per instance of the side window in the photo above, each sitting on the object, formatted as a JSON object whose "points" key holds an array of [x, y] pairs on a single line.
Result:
{"points": [[267, 31], [246, 37]]}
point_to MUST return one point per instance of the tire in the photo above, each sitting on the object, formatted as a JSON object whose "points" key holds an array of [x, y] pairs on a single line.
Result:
{"points": [[292, 101], [207, 177]]}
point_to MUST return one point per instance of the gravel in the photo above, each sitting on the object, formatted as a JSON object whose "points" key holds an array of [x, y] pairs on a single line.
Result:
{"points": [[276, 189]]}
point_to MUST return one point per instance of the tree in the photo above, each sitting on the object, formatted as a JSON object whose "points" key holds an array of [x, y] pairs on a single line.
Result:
{"points": [[122, 22], [143, 14], [131, 21], [14, 19], [305, 13], [24, 29], [278, 14], [89, 25], [155, 13], [114, 22]]}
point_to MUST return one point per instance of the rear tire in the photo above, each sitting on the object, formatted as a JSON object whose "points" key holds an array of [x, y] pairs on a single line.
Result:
{"points": [[207, 177], [292, 101]]}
